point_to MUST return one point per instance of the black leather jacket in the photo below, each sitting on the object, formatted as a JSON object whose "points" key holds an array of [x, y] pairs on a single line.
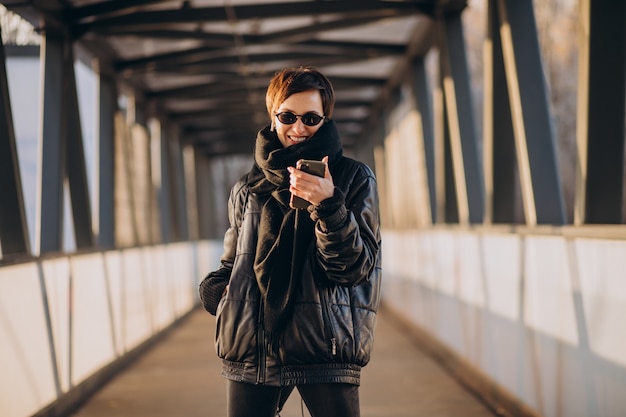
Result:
{"points": [[330, 334]]}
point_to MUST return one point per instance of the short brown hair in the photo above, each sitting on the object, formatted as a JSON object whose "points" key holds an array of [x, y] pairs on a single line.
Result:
{"points": [[290, 81]]}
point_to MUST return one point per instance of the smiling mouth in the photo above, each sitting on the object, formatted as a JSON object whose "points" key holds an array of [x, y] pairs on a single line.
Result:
{"points": [[298, 138]]}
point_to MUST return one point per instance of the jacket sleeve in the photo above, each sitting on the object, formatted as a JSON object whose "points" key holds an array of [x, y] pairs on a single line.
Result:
{"points": [[347, 231], [214, 284]]}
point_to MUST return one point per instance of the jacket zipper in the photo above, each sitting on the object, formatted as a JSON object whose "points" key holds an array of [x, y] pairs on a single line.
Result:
{"points": [[260, 378], [326, 315]]}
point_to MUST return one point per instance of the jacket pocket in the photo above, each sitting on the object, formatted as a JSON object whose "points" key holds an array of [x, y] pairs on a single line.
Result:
{"points": [[236, 328], [328, 322]]}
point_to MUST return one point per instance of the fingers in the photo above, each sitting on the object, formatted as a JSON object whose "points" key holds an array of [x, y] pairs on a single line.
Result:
{"points": [[327, 171], [311, 187]]}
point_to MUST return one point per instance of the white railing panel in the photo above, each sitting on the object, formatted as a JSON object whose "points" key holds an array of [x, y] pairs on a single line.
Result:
{"points": [[64, 319], [56, 277], [602, 274], [548, 291], [92, 320], [502, 260], [445, 268], [114, 274], [158, 270], [27, 379], [136, 312], [469, 269], [180, 277], [551, 328]]}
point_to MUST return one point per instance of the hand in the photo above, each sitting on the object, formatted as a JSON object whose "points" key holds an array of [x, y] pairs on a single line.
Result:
{"points": [[312, 188]]}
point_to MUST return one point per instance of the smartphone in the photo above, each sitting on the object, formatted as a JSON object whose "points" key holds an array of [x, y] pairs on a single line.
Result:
{"points": [[312, 167]]}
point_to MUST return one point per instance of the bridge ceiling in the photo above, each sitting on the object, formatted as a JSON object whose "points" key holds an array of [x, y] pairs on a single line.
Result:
{"points": [[205, 64]]}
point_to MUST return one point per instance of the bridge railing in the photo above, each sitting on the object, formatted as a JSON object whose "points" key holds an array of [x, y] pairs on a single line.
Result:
{"points": [[68, 322]]}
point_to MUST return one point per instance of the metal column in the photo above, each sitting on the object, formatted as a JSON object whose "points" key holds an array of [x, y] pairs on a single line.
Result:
{"points": [[531, 121], [424, 107], [106, 166], [180, 187], [463, 144], [501, 180], [75, 156], [62, 155], [52, 143], [13, 228], [601, 108]]}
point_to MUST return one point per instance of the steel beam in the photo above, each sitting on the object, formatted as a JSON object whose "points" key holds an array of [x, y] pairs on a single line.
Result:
{"points": [[468, 175], [423, 105], [164, 189], [450, 210], [75, 157], [13, 227], [534, 138], [601, 108], [257, 11], [106, 167], [52, 145], [179, 185], [62, 155], [501, 190]]}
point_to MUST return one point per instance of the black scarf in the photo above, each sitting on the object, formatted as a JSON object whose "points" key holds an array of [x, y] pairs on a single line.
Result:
{"points": [[280, 249]]}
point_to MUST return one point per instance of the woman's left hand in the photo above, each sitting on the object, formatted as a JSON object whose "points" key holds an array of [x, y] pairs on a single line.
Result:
{"points": [[312, 188]]}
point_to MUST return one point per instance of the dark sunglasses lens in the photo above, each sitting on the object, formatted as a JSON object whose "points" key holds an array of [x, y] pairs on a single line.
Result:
{"points": [[311, 119], [287, 118]]}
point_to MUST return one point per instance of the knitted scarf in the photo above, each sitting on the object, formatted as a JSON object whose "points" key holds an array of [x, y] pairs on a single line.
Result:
{"points": [[284, 236]]}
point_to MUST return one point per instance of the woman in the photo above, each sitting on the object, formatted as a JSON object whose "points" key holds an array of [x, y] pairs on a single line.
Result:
{"points": [[297, 291]]}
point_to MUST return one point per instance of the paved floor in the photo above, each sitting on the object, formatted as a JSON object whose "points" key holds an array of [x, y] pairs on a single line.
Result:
{"points": [[179, 377]]}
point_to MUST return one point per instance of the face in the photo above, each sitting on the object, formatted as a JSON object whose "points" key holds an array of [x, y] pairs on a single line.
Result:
{"points": [[300, 103]]}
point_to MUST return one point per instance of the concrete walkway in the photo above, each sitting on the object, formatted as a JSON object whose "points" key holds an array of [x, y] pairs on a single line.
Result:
{"points": [[180, 377]]}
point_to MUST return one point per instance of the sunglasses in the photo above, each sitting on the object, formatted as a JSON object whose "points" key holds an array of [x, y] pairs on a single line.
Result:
{"points": [[309, 119]]}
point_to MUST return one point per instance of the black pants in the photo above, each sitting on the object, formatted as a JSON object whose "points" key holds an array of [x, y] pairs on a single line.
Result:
{"points": [[322, 400]]}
